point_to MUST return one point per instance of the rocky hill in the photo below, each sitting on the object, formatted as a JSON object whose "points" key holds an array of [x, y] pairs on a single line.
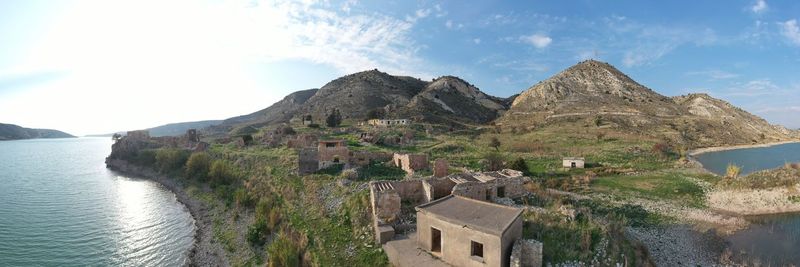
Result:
{"points": [[15, 132], [177, 129], [452, 99], [595, 94], [280, 112], [356, 94]]}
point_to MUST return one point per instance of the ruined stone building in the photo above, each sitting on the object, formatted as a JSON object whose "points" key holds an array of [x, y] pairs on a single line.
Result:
{"points": [[333, 152], [386, 196], [302, 141], [388, 122], [411, 162], [138, 135], [467, 232], [307, 161], [441, 168], [573, 162]]}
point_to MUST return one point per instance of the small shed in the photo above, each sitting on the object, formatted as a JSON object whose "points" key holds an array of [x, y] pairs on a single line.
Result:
{"points": [[573, 162], [467, 232]]}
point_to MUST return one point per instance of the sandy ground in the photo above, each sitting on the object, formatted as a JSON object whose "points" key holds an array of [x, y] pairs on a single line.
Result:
{"points": [[754, 202], [204, 252]]}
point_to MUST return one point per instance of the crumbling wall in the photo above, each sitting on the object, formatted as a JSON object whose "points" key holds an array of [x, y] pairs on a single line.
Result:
{"points": [[411, 162], [437, 188], [441, 168], [526, 253], [474, 190], [513, 187], [410, 190], [307, 161]]}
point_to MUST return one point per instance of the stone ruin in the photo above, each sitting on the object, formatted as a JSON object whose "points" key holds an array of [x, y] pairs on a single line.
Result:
{"points": [[440, 168], [411, 163], [302, 141], [387, 196]]}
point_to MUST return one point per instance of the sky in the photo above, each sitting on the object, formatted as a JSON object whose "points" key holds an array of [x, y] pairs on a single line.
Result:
{"points": [[89, 67]]}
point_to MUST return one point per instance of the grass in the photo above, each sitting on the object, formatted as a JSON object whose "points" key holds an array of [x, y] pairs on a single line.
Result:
{"points": [[674, 187]]}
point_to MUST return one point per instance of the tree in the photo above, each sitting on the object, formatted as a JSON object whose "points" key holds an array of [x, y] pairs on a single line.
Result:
{"points": [[334, 119], [492, 162], [116, 136], [519, 165], [495, 143]]}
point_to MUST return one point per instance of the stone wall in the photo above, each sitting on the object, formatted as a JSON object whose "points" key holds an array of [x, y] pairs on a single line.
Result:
{"points": [[526, 253], [441, 168], [411, 162], [437, 188], [307, 161], [473, 190]]}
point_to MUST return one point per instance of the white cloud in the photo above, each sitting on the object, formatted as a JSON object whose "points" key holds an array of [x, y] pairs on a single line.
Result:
{"points": [[348, 5], [450, 25], [537, 40], [650, 43], [419, 14], [714, 74], [760, 87], [476, 41], [791, 31], [439, 11], [759, 7]]}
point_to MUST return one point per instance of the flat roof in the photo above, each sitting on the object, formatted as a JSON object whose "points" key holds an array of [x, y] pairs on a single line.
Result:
{"points": [[573, 158], [479, 215]]}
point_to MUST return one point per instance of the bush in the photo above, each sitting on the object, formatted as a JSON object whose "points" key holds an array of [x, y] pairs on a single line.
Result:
{"points": [[334, 119], [171, 159], [494, 143], [146, 157], [222, 172], [198, 166], [242, 199], [519, 165], [313, 126], [664, 150], [349, 174], [492, 162], [257, 232], [732, 171], [283, 252]]}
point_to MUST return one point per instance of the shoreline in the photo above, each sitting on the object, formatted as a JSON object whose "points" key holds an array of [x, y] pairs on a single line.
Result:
{"points": [[204, 252], [704, 150]]}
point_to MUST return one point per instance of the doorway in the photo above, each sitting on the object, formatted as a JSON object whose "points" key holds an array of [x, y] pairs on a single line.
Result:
{"points": [[436, 240], [573, 165]]}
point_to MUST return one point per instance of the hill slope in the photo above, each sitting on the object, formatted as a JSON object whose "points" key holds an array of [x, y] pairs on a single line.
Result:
{"points": [[595, 94], [450, 98], [177, 129], [15, 132]]}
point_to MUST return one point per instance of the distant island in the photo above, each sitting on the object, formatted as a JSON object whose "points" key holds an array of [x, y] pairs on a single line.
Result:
{"points": [[16, 132]]}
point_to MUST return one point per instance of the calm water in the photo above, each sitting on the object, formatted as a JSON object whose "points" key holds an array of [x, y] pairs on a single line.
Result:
{"points": [[60, 206], [751, 159], [772, 239]]}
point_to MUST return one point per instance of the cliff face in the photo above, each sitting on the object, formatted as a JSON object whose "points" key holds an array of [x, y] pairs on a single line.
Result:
{"points": [[15, 132]]}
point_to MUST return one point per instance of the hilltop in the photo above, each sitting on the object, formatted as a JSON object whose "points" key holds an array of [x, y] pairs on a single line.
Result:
{"points": [[594, 95], [15, 132]]}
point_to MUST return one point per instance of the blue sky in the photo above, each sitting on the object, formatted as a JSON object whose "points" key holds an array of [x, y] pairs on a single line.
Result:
{"points": [[101, 66]]}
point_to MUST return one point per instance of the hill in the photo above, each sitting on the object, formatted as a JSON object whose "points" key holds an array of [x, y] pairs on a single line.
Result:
{"points": [[451, 99], [281, 111], [595, 95], [15, 132], [176, 129]]}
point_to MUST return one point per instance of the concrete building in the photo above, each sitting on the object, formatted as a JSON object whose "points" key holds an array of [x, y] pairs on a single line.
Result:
{"points": [[467, 232], [385, 122], [572, 162]]}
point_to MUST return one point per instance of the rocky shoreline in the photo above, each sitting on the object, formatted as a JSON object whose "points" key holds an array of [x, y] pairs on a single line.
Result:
{"points": [[204, 251]]}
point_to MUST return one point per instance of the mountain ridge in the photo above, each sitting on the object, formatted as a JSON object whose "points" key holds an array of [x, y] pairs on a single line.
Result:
{"points": [[16, 132]]}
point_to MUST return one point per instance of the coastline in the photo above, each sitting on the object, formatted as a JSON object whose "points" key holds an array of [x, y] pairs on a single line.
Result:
{"points": [[204, 251], [704, 150]]}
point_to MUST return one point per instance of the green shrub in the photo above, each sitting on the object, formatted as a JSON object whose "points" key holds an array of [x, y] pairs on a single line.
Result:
{"points": [[519, 165], [732, 171], [171, 159], [146, 157], [198, 166], [242, 199], [222, 172], [257, 232], [283, 252], [492, 162]]}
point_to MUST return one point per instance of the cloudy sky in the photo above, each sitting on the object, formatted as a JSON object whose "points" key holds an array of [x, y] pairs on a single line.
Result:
{"points": [[101, 66]]}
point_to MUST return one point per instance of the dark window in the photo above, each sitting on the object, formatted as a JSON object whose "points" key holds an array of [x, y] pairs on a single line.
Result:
{"points": [[336, 159], [573, 165], [477, 249], [488, 194], [501, 191], [436, 240], [330, 144]]}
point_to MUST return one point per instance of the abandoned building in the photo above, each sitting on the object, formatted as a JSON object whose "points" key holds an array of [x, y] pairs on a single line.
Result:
{"points": [[386, 196], [573, 162], [467, 232], [302, 141], [138, 135], [191, 136], [410, 162], [307, 161], [307, 120], [333, 152], [363, 158], [387, 122]]}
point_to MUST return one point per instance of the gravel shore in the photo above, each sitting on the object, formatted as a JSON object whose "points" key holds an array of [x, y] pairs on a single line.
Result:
{"points": [[204, 252], [723, 148], [679, 245]]}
